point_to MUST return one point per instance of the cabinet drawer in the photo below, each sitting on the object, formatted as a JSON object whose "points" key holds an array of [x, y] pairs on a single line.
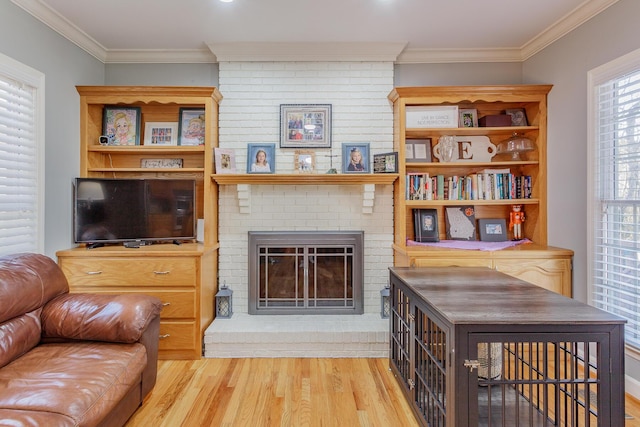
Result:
{"points": [[139, 272], [177, 336]]}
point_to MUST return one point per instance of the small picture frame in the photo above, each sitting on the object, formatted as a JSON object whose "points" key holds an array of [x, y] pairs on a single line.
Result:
{"points": [[191, 126], [225, 159], [305, 126], [468, 118], [160, 133], [492, 230], [355, 158], [385, 162], [304, 161], [518, 116], [261, 158], [425, 225], [418, 150], [121, 125], [460, 222]]}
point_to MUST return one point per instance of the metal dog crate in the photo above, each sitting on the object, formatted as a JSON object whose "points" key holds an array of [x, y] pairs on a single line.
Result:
{"points": [[475, 347]]}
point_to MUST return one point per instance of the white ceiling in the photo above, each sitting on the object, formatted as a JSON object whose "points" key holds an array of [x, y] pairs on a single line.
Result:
{"points": [[407, 30]]}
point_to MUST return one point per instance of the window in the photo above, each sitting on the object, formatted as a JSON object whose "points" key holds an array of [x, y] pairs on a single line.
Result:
{"points": [[21, 158], [614, 223]]}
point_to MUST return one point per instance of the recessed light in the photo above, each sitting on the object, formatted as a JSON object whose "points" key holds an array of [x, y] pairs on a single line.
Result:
{"points": [[226, 1]]}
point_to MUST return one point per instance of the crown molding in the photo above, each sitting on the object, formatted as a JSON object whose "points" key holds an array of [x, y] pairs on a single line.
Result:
{"points": [[564, 26], [393, 52], [305, 52], [62, 26], [159, 56]]}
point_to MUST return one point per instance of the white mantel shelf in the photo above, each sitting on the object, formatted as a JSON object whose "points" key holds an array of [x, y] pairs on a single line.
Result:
{"points": [[243, 181]]}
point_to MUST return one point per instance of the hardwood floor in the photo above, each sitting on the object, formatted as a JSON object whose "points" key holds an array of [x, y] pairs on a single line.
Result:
{"points": [[275, 392], [282, 392]]}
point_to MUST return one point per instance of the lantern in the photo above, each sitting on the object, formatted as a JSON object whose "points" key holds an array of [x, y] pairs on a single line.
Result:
{"points": [[385, 302], [224, 302]]}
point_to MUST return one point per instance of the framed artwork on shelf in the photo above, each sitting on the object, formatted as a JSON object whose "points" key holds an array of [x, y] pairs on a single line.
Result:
{"points": [[385, 162], [304, 161], [261, 158], [425, 225], [191, 126], [518, 116], [492, 230], [355, 158], [460, 222], [305, 126], [468, 118], [418, 150], [225, 159], [160, 133], [121, 125]]}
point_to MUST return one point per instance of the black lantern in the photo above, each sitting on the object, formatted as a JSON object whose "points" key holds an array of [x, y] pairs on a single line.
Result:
{"points": [[224, 302], [385, 302]]}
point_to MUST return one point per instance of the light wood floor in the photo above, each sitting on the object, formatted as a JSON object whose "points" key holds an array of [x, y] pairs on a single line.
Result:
{"points": [[282, 392]]}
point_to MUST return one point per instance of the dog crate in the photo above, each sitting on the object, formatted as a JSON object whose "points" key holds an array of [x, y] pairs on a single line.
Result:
{"points": [[475, 347]]}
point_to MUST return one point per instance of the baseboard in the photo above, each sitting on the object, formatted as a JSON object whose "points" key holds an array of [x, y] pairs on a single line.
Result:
{"points": [[632, 386]]}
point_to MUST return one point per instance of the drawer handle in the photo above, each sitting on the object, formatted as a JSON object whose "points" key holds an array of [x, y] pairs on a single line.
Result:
{"points": [[164, 304], [161, 272], [93, 273], [165, 336]]}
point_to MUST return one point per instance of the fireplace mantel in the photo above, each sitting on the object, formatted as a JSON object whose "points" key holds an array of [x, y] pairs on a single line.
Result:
{"points": [[243, 181]]}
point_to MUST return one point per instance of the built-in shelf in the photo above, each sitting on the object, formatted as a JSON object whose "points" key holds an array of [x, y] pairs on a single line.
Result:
{"points": [[244, 181]]}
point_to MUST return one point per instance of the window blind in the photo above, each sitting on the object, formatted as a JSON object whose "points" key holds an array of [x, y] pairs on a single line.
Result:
{"points": [[616, 202], [19, 192]]}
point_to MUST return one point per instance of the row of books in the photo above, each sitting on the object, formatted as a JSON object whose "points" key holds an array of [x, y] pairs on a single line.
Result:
{"points": [[490, 184]]}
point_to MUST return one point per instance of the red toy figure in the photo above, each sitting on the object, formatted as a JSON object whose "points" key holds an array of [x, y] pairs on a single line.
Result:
{"points": [[516, 218]]}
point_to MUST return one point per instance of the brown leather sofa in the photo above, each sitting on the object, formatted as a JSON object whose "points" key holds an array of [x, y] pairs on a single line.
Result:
{"points": [[71, 359]]}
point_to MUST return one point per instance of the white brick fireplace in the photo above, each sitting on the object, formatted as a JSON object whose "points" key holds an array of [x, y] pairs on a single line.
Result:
{"points": [[249, 113]]}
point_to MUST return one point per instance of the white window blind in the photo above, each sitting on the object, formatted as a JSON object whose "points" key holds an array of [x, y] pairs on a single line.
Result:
{"points": [[615, 202], [20, 159]]}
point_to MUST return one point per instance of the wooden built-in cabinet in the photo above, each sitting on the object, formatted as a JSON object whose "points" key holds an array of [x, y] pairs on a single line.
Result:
{"points": [[183, 276], [535, 262]]}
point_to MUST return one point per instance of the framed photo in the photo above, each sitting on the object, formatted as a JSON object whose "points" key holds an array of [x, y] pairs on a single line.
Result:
{"points": [[425, 225], [418, 150], [161, 163], [468, 118], [304, 161], [121, 125], [385, 163], [160, 133], [225, 159], [493, 230], [261, 158], [191, 126], [460, 222], [518, 116], [355, 158], [305, 126]]}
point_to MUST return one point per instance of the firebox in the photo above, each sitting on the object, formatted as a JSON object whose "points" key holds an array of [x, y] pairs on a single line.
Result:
{"points": [[310, 272]]}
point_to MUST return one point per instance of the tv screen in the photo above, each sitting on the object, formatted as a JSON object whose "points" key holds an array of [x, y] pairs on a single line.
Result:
{"points": [[119, 210]]}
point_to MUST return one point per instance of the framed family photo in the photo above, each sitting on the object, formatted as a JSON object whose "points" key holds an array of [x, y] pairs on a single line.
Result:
{"points": [[468, 118], [385, 162], [225, 159], [425, 225], [305, 126], [355, 158], [261, 158], [493, 230], [160, 133], [304, 161], [121, 125], [191, 126]]}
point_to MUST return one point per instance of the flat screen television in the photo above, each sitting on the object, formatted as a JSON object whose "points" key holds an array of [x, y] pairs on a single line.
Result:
{"points": [[110, 210]]}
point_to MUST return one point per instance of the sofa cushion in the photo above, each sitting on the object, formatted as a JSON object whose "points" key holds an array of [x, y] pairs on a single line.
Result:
{"points": [[114, 318], [19, 335], [22, 283], [61, 379], [14, 417]]}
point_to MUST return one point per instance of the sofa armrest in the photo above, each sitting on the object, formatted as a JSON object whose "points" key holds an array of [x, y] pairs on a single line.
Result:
{"points": [[97, 317]]}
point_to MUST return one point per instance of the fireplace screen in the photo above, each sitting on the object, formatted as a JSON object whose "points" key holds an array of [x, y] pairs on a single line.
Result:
{"points": [[293, 273]]}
